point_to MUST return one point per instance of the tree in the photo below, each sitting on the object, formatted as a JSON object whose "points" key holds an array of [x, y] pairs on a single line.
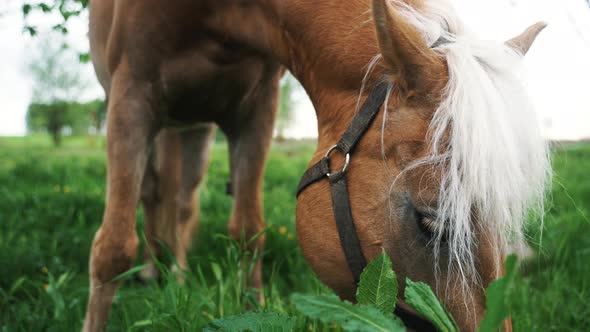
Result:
{"points": [[57, 81], [88, 116], [51, 118], [55, 117]]}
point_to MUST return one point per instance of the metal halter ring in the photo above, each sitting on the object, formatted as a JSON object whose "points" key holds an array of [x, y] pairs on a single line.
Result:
{"points": [[346, 160]]}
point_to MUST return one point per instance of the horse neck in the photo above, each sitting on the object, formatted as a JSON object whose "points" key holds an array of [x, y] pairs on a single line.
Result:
{"points": [[328, 47]]}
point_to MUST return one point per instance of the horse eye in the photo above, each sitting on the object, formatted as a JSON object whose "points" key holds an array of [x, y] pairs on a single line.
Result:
{"points": [[429, 225]]}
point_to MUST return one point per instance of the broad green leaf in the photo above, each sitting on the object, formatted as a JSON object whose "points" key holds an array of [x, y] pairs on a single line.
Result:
{"points": [[253, 322], [498, 296], [84, 57], [44, 7], [31, 30], [362, 318], [26, 9], [422, 299], [378, 285]]}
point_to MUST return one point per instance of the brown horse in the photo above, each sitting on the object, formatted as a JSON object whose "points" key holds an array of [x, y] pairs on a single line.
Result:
{"points": [[441, 181]]}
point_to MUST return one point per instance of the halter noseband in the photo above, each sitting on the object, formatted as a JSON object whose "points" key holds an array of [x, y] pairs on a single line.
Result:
{"points": [[349, 240]]}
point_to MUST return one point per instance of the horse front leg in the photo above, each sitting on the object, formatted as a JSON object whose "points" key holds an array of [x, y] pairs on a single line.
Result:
{"points": [[195, 152], [170, 193], [249, 144], [160, 186], [130, 131]]}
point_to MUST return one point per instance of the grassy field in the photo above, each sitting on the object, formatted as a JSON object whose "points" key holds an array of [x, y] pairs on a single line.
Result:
{"points": [[51, 202]]}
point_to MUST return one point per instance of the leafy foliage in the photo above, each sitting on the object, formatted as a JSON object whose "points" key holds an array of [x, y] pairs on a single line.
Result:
{"points": [[376, 295], [498, 297], [420, 297], [329, 308], [378, 284], [253, 322], [377, 290], [66, 9]]}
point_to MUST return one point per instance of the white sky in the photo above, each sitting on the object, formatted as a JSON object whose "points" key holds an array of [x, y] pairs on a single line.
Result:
{"points": [[558, 63]]}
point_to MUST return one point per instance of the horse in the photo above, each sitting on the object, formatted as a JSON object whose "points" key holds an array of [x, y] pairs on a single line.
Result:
{"points": [[440, 178]]}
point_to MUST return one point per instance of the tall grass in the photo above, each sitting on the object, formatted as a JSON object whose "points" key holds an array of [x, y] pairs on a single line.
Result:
{"points": [[51, 202]]}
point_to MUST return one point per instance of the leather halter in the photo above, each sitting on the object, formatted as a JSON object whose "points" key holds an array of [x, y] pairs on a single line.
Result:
{"points": [[340, 198]]}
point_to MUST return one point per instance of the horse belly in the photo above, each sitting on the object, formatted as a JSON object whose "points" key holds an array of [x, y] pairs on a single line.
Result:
{"points": [[197, 88], [196, 73]]}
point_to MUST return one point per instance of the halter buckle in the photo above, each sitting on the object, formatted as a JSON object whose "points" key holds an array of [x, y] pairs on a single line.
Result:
{"points": [[346, 161]]}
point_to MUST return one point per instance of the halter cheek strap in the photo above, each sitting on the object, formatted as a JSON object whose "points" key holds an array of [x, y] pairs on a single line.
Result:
{"points": [[338, 186]]}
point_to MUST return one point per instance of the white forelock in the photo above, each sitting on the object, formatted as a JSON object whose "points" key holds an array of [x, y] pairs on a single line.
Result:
{"points": [[485, 137]]}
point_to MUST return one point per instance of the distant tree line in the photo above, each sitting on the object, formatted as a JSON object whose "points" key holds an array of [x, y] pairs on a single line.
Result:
{"points": [[57, 106], [64, 117]]}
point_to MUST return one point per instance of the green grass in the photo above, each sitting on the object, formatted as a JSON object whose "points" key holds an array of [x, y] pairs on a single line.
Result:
{"points": [[51, 202], [555, 292]]}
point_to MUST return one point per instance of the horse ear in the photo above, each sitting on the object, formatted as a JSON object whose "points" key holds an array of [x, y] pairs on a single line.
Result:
{"points": [[406, 54], [523, 42]]}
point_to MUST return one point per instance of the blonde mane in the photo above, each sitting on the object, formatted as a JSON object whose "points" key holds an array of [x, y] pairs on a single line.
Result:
{"points": [[486, 139]]}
